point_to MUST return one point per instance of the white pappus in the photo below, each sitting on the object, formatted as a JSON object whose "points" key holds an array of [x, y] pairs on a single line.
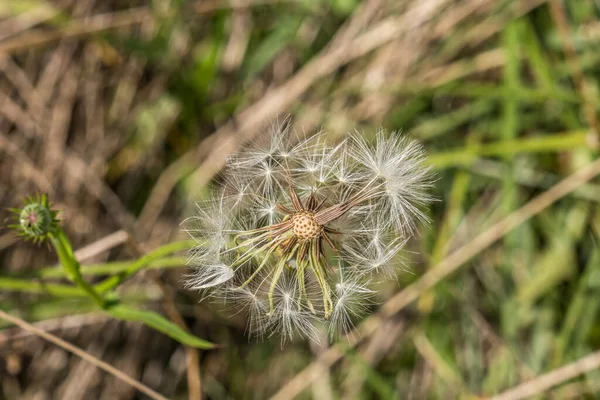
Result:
{"points": [[298, 228]]}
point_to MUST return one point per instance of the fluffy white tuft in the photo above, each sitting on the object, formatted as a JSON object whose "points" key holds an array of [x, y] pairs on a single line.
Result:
{"points": [[353, 299], [208, 276], [398, 163], [289, 317], [381, 186]]}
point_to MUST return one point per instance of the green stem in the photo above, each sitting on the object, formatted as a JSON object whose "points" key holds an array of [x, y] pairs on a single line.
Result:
{"points": [[114, 281], [29, 284], [36, 286], [109, 268], [63, 248], [535, 144]]}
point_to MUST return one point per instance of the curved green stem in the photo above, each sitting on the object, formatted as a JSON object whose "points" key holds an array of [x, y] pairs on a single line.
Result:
{"points": [[63, 248]]}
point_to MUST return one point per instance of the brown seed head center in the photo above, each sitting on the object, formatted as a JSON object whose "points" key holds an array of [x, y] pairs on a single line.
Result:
{"points": [[305, 226]]}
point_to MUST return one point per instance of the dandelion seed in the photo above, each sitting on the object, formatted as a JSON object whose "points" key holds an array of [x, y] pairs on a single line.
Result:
{"points": [[287, 208], [211, 275], [397, 164], [375, 256], [249, 299], [353, 298], [290, 316]]}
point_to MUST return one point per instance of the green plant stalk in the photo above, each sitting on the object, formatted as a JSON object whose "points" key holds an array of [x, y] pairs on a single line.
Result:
{"points": [[510, 131], [433, 128], [113, 267], [114, 281], [458, 193], [33, 286], [477, 90], [111, 306], [535, 144], [63, 248], [156, 259]]}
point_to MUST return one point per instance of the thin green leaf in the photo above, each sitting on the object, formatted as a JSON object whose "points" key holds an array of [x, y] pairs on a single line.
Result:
{"points": [[160, 323]]}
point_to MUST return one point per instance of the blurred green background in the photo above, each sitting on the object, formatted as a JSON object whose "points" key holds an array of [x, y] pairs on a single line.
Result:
{"points": [[123, 112]]}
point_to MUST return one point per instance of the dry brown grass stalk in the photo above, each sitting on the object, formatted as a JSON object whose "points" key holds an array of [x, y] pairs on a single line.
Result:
{"points": [[82, 354], [551, 379]]}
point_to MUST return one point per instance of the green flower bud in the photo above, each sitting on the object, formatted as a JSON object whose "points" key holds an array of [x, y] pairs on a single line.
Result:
{"points": [[36, 221]]}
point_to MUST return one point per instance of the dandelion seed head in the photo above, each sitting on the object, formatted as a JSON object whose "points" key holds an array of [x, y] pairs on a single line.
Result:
{"points": [[299, 228]]}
